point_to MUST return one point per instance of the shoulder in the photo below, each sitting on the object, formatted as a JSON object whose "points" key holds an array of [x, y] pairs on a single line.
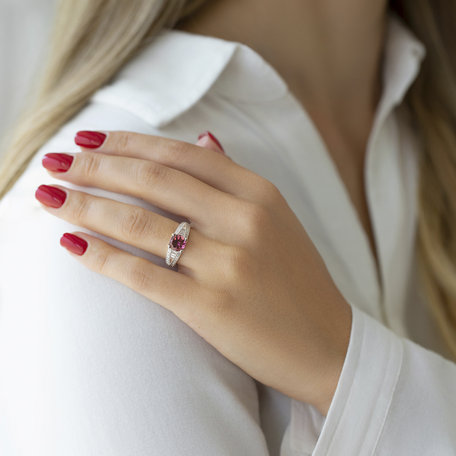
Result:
{"points": [[169, 89], [164, 80]]}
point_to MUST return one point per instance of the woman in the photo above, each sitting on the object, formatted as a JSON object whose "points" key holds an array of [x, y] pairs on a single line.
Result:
{"points": [[294, 321]]}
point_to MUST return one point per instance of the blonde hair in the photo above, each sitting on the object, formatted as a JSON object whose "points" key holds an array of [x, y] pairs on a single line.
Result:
{"points": [[93, 39], [432, 102]]}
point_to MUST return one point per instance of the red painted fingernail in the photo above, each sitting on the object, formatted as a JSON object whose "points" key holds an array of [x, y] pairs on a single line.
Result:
{"points": [[73, 243], [90, 139], [58, 163], [208, 133], [50, 196]]}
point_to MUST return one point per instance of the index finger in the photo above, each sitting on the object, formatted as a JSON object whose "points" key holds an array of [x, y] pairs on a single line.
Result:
{"points": [[215, 169]]}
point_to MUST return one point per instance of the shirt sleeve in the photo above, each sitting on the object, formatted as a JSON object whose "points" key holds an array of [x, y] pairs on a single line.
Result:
{"points": [[393, 397]]}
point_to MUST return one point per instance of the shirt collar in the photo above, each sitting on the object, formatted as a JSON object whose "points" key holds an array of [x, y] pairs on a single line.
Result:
{"points": [[178, 68], [403, 53]]}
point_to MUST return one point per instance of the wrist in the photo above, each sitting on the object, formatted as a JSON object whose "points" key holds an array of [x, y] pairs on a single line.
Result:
{"points": [[327, 387]]}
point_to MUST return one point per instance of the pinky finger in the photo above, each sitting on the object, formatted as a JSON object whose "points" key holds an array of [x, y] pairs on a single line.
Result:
{"points": [[166, 287]]}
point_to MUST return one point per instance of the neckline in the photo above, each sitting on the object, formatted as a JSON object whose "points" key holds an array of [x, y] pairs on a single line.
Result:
{"points": [[403, 53]]}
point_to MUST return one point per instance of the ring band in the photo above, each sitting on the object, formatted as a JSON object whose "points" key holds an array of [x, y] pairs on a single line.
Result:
{"points": [[177, 243]]}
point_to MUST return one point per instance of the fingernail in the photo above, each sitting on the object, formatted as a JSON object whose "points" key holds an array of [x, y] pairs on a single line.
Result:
{"points": [[50, 196], [73, 243], [90, 139], [58, 163], [208, 133]]}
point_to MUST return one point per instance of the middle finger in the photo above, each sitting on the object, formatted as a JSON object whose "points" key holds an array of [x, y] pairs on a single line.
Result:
{"points": [[170, 189]]}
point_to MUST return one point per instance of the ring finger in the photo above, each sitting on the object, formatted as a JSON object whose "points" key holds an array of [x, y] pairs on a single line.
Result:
{"points": [[171, 190], [133, 225]]}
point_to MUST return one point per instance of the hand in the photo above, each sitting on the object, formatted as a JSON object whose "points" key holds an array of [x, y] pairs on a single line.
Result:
{"points": [[250, 281]]}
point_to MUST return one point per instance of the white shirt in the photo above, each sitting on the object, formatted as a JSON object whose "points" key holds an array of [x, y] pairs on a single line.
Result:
{"points": [[89, 367]]}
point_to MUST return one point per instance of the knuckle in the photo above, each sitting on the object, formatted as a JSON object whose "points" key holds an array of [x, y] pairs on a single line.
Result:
{"points": [[270, 192], [221, 304], [166, 150], [214, 303], [139, 277], [90, 165], [124, 142], [236, 264], [135, 225], [100, 261], [178, 149], [150, 173], [267, 192], [80, 207], [253, 216]]}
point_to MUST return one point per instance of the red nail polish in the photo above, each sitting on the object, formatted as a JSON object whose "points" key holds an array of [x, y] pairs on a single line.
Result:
{"points": [[208, 133], [73, 243], [58, 163], [50, 196], [89, 139]]}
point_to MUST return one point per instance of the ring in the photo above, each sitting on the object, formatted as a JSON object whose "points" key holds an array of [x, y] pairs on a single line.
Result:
{"points": [[177, 243]]}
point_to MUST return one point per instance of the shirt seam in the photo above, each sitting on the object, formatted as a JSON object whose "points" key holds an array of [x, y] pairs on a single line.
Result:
{"points": [[387, 414], [350, 393]]}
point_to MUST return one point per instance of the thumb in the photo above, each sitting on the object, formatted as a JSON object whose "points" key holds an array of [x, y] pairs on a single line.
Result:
{"points": [[209, 141]]}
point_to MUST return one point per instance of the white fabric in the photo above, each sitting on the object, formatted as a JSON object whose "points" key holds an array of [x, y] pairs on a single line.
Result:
{"points": [[89, 367]]}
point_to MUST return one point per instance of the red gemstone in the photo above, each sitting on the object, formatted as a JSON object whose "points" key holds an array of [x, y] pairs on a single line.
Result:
{"points": [[177, 242]]}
